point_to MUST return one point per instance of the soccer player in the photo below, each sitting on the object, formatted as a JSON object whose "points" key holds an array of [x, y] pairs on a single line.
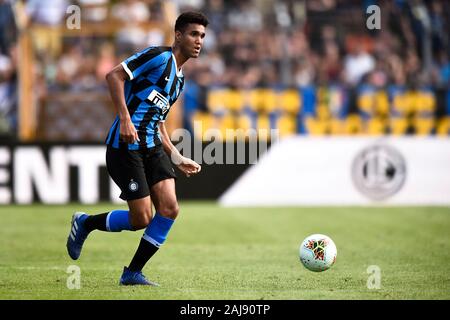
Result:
{"points": [[143, 89]]}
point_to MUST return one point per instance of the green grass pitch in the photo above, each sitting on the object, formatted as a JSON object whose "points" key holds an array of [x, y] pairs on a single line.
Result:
{"points": [[233, 253]]}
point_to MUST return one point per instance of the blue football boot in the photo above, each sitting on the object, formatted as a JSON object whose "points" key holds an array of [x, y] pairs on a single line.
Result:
{"points": [[131, 278], [77, 235]]}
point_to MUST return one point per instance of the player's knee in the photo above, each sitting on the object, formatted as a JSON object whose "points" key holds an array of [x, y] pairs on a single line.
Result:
{"points": [[141, 219], [170, 210]]}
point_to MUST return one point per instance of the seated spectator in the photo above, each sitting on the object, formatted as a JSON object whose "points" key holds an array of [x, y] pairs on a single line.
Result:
{"points": [[131, 13], [44, 17]]}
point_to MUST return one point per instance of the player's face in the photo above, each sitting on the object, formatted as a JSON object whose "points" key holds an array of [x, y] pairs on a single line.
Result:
{"points": [[191, 40]]}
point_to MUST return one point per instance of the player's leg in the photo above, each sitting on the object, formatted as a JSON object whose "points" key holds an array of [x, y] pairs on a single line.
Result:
{"points": [[126, 168], [140, 212], [156, 232], [160, 177], [140, 217], [83, 224], [137, 217], [114, 221], [167, 208]]}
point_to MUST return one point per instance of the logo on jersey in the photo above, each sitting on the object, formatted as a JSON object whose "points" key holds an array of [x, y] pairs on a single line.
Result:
{"points": [[159, 100]]}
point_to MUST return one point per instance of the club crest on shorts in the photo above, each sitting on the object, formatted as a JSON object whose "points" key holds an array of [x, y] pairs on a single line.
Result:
{"points": [[133, 186]]}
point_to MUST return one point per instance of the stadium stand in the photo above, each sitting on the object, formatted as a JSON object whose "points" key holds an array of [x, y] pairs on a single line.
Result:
{"points": [[303, 67]]}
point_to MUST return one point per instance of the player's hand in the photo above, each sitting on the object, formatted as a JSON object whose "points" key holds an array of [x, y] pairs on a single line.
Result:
{"points": [[189, 166], [128, 132]]}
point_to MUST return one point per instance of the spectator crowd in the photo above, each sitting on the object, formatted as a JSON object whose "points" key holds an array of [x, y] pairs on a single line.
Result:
{"points": [[249, 44]]}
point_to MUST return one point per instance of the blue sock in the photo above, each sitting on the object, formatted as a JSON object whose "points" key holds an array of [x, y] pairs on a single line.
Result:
{"points": [[118, 220], [156, 232]]}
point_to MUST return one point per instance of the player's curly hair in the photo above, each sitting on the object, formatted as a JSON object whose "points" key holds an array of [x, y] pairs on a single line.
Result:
{"points": [[190, 17]]}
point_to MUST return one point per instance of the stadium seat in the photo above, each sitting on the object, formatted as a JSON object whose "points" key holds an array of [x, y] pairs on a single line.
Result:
{"points": [[216, 100], [226, 122], [375, 126], [398, 125], [443, 126], [373, 104], [423, 126], [203, 121], [428, 102], [234, 100], [422, 101], [263, 126], [381, 103], [400, 104], [289, 101], [316, 127], [322, 112], [336, 126], [364, 103], [286, 125], [263, 100], [243, 124], [353, 124], [244, 121]]}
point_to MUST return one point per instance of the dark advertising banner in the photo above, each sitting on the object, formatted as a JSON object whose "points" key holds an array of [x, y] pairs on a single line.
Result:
{"points": [[61, 173]]}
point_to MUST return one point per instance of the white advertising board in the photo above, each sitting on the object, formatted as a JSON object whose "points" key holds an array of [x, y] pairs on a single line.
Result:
{"points": [[347, 171]]}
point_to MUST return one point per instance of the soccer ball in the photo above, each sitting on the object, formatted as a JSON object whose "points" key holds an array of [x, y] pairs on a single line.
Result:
{"points": [[318, 252]]}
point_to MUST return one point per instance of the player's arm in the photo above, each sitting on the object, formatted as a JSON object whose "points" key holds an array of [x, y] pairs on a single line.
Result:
{"points": [[116, 79], [188, 166]]}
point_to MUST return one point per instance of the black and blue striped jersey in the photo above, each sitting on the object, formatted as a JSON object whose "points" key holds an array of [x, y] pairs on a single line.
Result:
{"points": [[154, 84]]}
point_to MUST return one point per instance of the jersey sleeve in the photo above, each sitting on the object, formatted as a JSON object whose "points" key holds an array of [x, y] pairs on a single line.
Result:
{"points": [[144, 61]]}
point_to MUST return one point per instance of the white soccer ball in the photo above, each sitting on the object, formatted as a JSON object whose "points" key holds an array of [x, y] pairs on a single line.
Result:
{"points": [[318, 252]]}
